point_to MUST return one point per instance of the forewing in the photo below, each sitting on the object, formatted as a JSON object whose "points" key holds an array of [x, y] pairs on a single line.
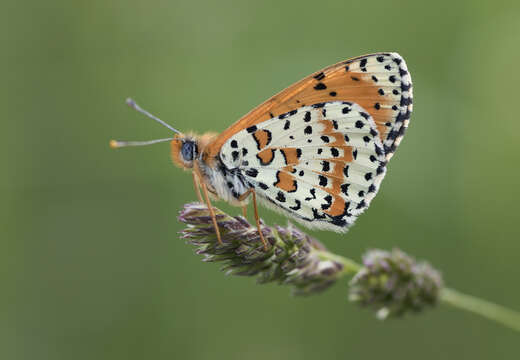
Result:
{"points": [[321, 164], [379, 83]]}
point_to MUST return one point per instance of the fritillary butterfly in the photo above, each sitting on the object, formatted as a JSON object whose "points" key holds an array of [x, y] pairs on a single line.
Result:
{"points": [[317, 151]]}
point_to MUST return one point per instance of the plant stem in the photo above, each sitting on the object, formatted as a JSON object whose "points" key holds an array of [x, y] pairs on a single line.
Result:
{"points": [[494, 312], [350, 267]]}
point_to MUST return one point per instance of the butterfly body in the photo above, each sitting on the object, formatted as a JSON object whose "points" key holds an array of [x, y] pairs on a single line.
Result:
{"points": [[228, 184], [317, 151]]}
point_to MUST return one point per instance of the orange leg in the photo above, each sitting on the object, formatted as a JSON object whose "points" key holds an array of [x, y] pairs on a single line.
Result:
{"points": [[196, 185], [257, 218], [212, 213], [244, 211]]}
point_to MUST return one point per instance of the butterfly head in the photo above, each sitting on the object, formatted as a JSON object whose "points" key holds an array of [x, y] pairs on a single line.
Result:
{"points": [[184, 150]]}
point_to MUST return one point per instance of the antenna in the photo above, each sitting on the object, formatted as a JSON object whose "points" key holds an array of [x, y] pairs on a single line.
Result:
{"points": [[130, 102], [114, 144]]}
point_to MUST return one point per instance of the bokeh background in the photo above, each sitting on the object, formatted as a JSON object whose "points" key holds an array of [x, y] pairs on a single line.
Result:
{"points": [[91, 265]]}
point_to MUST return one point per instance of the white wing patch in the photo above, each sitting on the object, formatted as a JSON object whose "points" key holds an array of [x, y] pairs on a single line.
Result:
{"points": [[321, 164]]}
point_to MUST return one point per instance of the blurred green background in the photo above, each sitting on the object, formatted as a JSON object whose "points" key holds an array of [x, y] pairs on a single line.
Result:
{"points": [[91, 265]]}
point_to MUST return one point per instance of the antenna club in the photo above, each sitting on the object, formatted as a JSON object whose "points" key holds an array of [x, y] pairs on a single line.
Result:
{"points": [[130, 102], [114, 144]]}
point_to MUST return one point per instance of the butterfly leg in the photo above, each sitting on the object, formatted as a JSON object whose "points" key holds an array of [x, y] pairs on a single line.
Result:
{"points": [[211, 212], [196, 185], [257, 218], [244, 211]]}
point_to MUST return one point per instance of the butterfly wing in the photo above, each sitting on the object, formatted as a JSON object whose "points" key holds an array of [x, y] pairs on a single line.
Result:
{"points": [[321, 164], [379, 83]]}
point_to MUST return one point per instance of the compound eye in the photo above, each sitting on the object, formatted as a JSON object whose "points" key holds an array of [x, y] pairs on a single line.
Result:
{"points": [[187, 150]]}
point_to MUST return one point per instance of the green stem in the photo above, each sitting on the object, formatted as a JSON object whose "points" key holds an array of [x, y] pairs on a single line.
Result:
{"points": [[494, 312], [350, 267]]}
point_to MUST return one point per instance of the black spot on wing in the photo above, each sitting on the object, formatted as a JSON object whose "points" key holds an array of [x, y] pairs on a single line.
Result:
{"points": [[317, 215], [361, 205], [405, 101], [339, 221], [313, 194], [280, 196], [297, 206], [325, 166], [263, 186], [252, 172], [328, 203], [235, 155], [405, 87], [323, 180], [319, 76]]}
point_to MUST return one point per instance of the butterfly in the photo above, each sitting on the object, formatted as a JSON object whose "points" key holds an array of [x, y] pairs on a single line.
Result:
{"points": [[317, 151]]}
